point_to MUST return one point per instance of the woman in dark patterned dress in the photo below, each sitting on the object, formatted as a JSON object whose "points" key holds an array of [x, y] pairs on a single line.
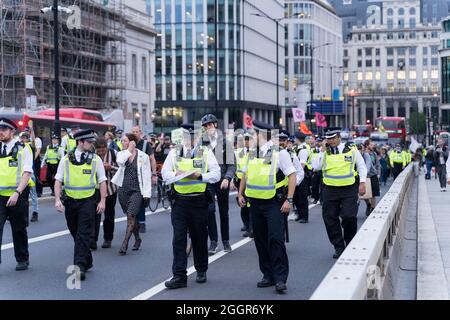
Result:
{"points": [[134, 181]]}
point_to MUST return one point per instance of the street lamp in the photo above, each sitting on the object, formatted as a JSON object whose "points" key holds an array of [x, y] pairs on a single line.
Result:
{"points": [[352, 93], [277, 22], [55, 8]]}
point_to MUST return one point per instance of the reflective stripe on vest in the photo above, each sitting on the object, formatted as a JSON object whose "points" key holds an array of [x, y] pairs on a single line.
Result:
{"points": [[261, 178], [80, 180], [11, 171], [188, 186], [339, 169], [241, 162], [52, 155]]}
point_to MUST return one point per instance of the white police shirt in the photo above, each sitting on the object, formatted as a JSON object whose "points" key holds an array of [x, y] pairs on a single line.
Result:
{"points": [[100, 170], [360, 163]]}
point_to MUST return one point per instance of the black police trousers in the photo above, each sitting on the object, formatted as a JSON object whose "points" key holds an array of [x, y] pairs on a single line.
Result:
{"points": [[52, 169], [340, 202], [189, 214], [301, 198], [80, 217], [108, 222], [316, 185], [222, 201], [18, 218], [269, 233], [397, 169]]}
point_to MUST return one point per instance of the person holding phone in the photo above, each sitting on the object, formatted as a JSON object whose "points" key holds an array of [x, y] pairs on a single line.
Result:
{"points": [[344, 176]]}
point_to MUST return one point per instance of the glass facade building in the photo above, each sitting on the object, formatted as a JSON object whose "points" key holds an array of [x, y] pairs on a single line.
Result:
{"points": [[200, 56], [444, 53]]}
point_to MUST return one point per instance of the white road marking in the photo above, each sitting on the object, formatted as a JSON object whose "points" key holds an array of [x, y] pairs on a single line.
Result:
{"points": [[66, 232], [161, 287]]}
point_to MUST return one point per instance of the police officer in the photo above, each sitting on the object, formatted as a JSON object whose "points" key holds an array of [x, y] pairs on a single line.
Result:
{"points": [[190, 206], [81, 171], [51, 160], [283, 139], [316, 179], [118, 139], [16, 168], [397, 160], [223, 151], [241, 156], [342, 183], [302, 191], [68, 142], [263, 184]]}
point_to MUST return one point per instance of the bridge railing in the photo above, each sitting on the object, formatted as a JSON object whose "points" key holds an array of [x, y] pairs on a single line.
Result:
{"points": [[361, 269]]}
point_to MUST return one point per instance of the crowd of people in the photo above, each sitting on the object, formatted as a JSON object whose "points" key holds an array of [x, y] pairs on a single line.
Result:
{"points": [[277, 176]]}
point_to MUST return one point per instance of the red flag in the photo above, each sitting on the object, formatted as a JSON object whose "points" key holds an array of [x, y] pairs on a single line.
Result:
{"points": [[321, 120], [248, 121], [304, 128]]}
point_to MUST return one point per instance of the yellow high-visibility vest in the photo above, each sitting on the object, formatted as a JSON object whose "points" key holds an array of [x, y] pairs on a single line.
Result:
{"points": [[80, 180], [262, 177], [241, 162], [11, 171], [397, 157], [199, 163], [52, 155], [339, 169]]}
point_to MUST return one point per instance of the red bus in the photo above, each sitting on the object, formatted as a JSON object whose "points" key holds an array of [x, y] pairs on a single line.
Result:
{"points": [[43, 124], [76, 113], [362, 130], [394, 127]]}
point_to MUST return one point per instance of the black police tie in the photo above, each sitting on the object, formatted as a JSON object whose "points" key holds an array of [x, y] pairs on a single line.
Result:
{"points": [[83, 157], [4, 150]]}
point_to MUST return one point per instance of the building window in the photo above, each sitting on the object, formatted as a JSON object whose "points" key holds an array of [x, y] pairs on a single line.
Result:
{"points": [[377, 51], [434, 61], [359, 52], [401, 75], [345, 52], [390, 62], [368, 63], [390, 75], [390, 36], [412, 22], [369, 76], [425, 51], [368, 36], [401, 35], [412, 11], [135, 109], [359, 76], [144, 72], [412, 62], [390, 51], [359, 64], [134, 70], [425, 74], [377, 75], [368, 52], [401, 51], [434, 49], [434, 74], [401, 23], [412, 74], [377, 63], [425, 61], [401, 11], [345, 63], [412, 35], [390, 12], [345, 76], [412, 50], [390, 23]]}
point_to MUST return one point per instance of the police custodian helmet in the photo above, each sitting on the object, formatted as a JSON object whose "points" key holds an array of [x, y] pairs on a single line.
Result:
{"points": [[209, 118]]}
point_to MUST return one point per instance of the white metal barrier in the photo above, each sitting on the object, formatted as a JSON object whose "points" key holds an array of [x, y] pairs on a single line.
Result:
{"points": [[360, 271]]}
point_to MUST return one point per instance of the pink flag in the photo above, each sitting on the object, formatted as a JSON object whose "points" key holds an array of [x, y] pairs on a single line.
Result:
{"points": [[321, 120], [298, 115]]}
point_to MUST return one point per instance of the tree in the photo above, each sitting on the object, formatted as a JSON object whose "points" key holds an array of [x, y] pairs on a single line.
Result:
{"points": [[417, 123]]}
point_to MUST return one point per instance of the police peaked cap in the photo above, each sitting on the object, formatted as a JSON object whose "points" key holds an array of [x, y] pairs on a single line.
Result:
{"points": [[88, 135], [332, 132], [6, 123], [261, 126]]}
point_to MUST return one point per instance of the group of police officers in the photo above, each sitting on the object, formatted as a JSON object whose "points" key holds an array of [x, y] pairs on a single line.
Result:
{"points": [[270, 172]]}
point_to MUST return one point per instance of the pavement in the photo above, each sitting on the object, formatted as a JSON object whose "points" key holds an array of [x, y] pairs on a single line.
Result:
{"points": [[440, 233], [141, 274]]}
